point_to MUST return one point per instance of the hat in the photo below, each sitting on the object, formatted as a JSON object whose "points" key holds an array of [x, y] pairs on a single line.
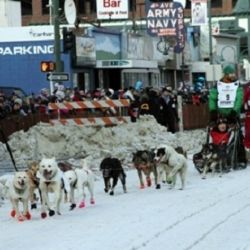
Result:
{"points": [[18, 101], [111, 91], [229, 69], [169, 89]]}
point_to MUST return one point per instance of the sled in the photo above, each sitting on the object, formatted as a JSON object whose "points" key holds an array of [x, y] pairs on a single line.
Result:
{"points": [[247, 130]]}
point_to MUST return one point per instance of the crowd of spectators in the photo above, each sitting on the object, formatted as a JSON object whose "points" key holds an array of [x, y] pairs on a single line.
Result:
{"points": [[161, 103]]}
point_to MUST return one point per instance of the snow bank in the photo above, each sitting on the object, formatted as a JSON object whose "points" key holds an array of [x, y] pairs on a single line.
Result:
{"points": [[74, 142]]}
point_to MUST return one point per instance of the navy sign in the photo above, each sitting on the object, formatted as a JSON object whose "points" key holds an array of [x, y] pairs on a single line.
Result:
{"points": [[166, 19]]}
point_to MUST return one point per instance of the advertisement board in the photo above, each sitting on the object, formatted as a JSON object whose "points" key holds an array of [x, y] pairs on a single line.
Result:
{"points": [[166, 19], [112, 9], [85, 51]]}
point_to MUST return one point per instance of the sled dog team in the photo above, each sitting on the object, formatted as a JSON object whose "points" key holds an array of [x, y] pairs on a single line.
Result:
{"points": [[52, 179]]}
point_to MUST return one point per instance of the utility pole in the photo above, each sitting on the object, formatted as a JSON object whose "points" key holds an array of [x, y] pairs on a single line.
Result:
{"points": [[56, 23], [248, 31], [210, 32]]}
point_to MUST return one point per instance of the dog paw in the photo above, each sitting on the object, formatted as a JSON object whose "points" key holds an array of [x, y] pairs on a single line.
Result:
{"points": [[142, 186], [27, 216], [72, 206], [106, 190], [158, 186], [111, 193], [51, 212], [149, 183], [82, 204], [43, 215], [169, 180], [33, 206], [20, 218], [92, 201], [13, 213]]}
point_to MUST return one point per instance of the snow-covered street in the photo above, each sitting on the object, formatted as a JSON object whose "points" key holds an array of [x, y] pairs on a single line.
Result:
{"points": [[210, 214]]}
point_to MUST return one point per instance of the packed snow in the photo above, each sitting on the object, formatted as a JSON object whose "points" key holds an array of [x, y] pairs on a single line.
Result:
{"points": [[211, 214]]}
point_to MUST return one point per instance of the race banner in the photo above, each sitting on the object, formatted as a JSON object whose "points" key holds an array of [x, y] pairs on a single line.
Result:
{"points": [[165, 19], [199, 12]]}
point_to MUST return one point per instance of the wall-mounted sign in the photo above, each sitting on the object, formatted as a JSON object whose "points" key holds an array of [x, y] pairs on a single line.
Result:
{"points": [[85, 51], [199, 12], [166, 19], [112, 9]]}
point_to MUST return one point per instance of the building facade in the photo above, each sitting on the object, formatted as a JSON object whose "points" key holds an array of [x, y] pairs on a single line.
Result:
{"points": [[36, 12], [115, 56]]}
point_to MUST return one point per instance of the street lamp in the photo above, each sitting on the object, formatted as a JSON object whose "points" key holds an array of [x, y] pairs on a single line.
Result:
{"points": [[210, 32]]}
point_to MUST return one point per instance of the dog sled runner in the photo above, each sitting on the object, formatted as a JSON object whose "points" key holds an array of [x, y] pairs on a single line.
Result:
{"points": [[234, 150]]}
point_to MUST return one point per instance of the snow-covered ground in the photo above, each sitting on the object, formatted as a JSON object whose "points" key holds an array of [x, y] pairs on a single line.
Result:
{"points": [[210, 214]]}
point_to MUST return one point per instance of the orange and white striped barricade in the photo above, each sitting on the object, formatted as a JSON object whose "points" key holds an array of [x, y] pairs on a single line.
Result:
{"points": [[118, 112]]}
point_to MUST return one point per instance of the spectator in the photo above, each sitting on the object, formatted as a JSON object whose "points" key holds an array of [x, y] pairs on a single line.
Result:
{"points": [[18, 107], [4, 108], [168, 117], [129, 93]]}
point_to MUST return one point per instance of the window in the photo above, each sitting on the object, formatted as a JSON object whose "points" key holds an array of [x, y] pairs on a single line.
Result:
{"points": [[216, 3], [86, 6], [131, 5], [26, 7], [234, 3]]}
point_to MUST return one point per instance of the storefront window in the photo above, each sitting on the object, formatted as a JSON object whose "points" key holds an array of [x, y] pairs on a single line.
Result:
{"points": [[149, 79]]}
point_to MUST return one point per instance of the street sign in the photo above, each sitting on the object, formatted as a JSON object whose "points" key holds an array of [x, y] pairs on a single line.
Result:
{"points": [[58, 77]]}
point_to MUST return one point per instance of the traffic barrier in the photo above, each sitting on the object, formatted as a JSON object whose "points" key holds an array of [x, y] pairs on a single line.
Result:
{"points": [[100, 113], [98, 121]]}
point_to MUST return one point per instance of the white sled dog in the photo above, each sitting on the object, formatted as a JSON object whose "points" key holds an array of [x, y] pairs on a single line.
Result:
{"points": [[79, 179], [172, 163], [19, 193], [50, 181]]}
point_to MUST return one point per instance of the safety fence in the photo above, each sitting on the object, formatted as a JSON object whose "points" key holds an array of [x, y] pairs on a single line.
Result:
{"points": [[103, 112], [195, 116]]}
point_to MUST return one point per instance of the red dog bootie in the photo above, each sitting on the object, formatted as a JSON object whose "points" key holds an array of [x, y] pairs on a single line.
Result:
{"points": [[82, 204], [43, 215], [149, 183], [92, 201], [27, 216], [20, 218], [142, 186], [13, 213]]}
